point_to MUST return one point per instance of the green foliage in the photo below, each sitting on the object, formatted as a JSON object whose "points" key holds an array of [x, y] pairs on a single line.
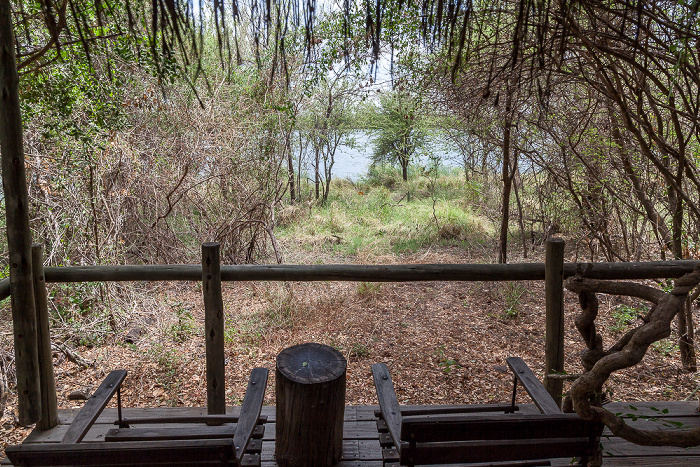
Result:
{"points": [[280, 310], [185, 325], [359, 350], [368, 289], [169, 361], [77, 314], [665, 347], [635, 415], [625, 315], [446, 363]]}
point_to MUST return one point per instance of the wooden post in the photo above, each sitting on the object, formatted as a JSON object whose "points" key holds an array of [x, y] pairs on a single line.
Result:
{"points": [[49, 405], [310, 392], [214, 328], [554, 300], [19, 235]]}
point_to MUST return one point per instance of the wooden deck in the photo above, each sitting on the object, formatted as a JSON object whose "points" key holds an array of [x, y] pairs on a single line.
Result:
{"points": [[361, 440]]}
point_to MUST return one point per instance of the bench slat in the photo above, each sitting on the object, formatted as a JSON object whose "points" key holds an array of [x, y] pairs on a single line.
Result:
{"points": [[170, 433], [185, 419], [425, 429], [542, 399], [93, 407], [132, 453], [446, 409], [493, 450], [161, 433]]}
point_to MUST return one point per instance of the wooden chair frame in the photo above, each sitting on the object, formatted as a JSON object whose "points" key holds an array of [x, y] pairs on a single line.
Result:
{"points": [[443, 435], [209, 445]]}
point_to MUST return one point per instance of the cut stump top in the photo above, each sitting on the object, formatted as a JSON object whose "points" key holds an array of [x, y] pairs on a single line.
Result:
{"points": [[311, 363]]}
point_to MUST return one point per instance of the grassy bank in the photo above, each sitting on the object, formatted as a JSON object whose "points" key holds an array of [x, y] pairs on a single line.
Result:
{"points": [[383, 214]]}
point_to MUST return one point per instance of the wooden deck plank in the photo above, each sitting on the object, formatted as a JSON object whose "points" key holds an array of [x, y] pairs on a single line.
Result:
{"points": [[361, 444], [618, 447], [676, 408], [353, 449], [351, 430]]}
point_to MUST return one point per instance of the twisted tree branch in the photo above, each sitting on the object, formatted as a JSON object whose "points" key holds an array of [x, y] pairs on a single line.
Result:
{"points": [[627, 352]]}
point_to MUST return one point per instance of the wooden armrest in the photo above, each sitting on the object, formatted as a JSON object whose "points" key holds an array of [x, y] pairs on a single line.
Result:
{"points": [[532, 385], [388, 402], [250, 410], [93, 407]]}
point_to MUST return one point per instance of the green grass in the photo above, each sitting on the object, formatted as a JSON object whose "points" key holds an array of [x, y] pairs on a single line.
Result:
{"points": [[512, 293], [383, 214]]}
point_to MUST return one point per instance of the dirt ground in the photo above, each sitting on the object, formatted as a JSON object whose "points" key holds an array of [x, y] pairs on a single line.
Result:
{"points": [[444, 342]]}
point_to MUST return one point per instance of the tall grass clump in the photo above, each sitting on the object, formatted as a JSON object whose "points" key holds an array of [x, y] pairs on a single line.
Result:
{"points": [[382, 213]]}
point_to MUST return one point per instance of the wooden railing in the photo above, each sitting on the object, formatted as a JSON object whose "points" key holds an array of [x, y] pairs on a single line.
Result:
{"points": [[553, 272], [361, 273]]}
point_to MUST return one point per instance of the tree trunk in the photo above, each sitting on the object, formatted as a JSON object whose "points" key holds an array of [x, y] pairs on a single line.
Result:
{"points": [[290, 170], [19, 235], [685, 319], [520, 217], [507, 183], [404, 168], [317, 178]]}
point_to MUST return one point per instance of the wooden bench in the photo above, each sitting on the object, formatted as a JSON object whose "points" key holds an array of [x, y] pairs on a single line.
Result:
{"points": [[228, 445], [439, 437]]}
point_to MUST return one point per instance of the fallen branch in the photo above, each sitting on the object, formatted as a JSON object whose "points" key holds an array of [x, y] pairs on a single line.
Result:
{"points": [[71, 355]]}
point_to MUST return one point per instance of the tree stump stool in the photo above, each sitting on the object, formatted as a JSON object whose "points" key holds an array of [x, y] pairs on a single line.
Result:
{"points": [[310, 390]]}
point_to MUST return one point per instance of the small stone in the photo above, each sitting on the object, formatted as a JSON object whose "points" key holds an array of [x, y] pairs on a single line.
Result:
{"points": [[79, 395], [133, 335]]}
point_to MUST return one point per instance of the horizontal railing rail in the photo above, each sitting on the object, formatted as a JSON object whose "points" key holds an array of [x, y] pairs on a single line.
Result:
{"points": [[366, 273]]}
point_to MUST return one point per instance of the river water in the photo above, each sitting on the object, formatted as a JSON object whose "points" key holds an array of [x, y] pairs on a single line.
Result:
{"points": [[352, 161]]}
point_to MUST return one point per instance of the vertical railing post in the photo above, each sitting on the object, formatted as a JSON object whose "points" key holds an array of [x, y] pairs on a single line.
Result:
{"points": [[214, 328], [554, 300], [49, 404], [19, 233]]}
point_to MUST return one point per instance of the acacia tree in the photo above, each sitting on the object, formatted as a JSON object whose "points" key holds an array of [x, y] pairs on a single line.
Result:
{"points": [[329, 126], [332, 82], [398, 130]]}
